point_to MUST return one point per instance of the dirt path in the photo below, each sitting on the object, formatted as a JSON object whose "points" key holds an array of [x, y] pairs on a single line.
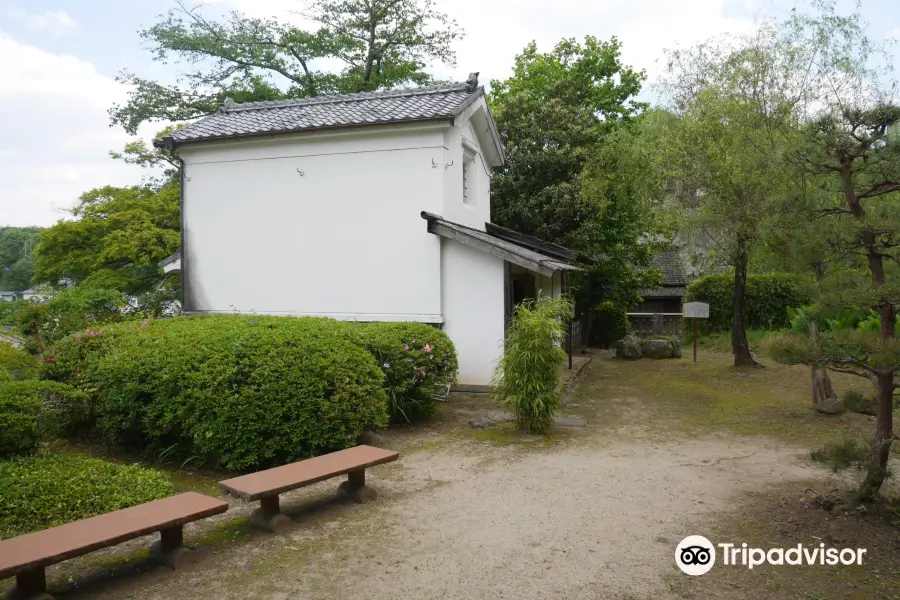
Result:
{"points": [[594, 516]]}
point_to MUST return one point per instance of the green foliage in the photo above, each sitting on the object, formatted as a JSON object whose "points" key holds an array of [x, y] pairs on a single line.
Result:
{"points": [[841, 456], [798, 318], [551, 114], [37, 492], [858, 402], [16, 257], [117, 240], [608, 325], [68, 311], [31, 411], [856, 352], [17, 364], [526, 379], [418, 361], [233, 391], [380, 44], [768, 298]]}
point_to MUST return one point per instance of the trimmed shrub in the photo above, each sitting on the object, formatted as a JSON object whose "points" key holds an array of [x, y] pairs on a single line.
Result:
{"points": [[49, 489], [609, 325], [419, 364], [526, 378], [237, 392], [17, 364], [768, 297], [31, 411]]}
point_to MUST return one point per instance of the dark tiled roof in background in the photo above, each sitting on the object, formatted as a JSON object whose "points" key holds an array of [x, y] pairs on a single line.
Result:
{"points": [[674, 278], [672, 268], [369, 108], [671, 291]]}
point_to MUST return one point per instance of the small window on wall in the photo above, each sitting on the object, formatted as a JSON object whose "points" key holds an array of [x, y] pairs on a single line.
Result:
{"points": [[468, 176]]}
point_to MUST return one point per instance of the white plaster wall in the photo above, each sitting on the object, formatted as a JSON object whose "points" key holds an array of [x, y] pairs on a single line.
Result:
{"points": [[345, 239], [477, 212], [472, 296]]}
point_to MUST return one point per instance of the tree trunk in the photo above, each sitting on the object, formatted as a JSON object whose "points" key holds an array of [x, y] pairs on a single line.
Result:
{"points": [[884, 421], [821, 382], [739, 345]]}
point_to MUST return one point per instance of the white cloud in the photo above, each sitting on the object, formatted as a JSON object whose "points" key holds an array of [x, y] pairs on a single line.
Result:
{"points": [[54, 22], [55, 133]]}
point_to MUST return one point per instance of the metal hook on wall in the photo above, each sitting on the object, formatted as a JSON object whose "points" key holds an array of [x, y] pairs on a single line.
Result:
{"points": [[448, 165], [301, 172], [434, 164]]}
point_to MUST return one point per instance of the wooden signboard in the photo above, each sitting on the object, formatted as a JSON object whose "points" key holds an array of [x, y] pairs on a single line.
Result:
{"points": [[695, 310]]}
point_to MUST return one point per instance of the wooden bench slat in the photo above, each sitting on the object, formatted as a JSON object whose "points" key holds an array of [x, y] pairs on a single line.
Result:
{"points": [[296, 475], [50, 546]]}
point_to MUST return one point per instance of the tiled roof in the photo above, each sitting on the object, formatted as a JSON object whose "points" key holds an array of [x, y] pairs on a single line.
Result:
{"points": [[674, 278], [670, 291], [327, 112]]}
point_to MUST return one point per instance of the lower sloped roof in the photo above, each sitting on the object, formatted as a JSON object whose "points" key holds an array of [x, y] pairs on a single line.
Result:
{"points": [[501, 247]]}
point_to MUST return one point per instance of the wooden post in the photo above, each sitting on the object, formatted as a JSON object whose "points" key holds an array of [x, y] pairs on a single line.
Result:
{"points": [[695, 339], [31, 583]]}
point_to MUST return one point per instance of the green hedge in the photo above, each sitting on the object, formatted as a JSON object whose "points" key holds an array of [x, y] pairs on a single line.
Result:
{"points": [[767, 299], [31, 411], [45, 490], [236, 392], [418, 361]]}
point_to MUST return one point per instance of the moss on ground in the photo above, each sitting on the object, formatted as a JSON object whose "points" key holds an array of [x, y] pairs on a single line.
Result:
{"points": [[713, 396]]}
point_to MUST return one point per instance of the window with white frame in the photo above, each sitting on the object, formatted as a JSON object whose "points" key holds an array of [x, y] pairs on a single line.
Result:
{"points": [[468, 173]]}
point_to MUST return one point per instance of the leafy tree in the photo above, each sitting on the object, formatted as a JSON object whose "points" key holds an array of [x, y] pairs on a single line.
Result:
{"points": [[624, 183], [735, 101], [116, 241], [553, 115], [850, 152], [854, 155], [16, 260], [381, 43]]}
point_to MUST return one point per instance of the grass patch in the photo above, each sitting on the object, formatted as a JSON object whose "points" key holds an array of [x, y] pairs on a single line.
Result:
{"points": [[227, 532], [506, 434], [721, 341]]}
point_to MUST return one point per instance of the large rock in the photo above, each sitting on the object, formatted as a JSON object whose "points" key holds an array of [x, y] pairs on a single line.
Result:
{"points": [[629, 347], [658, 348], [830, 406]]}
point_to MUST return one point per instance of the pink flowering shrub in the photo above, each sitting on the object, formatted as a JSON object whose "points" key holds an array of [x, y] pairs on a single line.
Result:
{"points": [[418, 361]]}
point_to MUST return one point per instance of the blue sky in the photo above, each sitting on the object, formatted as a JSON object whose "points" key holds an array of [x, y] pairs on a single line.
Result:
{"points": [[59, 58]]}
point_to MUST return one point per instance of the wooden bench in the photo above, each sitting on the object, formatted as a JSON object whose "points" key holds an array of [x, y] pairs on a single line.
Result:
{"points": [[265, 486], [27, 556]]}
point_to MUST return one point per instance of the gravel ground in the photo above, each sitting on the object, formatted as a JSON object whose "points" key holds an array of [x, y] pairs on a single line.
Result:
{"points": [[586, 521], [596, 516]]}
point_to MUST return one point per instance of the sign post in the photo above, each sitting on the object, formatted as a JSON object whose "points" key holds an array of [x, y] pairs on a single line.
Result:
{"points": [[695, 310]]}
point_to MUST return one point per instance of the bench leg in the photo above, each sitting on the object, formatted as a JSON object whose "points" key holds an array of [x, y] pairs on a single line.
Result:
{"points": [[268, 516], [31, 584], [170, 550], [355, 487]]}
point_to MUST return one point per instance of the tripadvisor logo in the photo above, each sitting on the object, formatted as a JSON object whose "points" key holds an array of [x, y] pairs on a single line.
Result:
{"points": [[696, 555]]}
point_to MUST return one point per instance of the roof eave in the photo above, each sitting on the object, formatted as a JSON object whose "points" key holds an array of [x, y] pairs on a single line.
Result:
{"points": [[264, 134]]}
